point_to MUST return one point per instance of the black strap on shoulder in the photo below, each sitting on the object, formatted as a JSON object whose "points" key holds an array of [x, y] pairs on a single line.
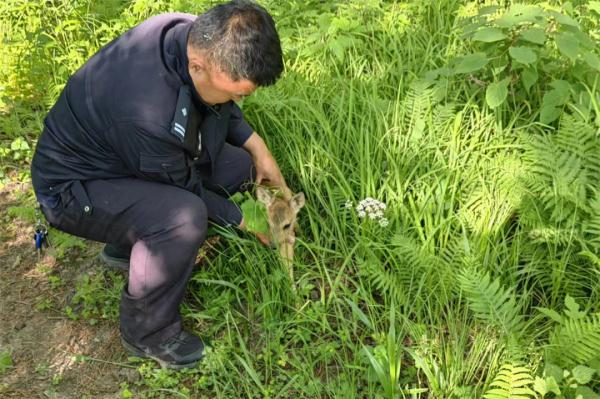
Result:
{"points": [[182, 112]]}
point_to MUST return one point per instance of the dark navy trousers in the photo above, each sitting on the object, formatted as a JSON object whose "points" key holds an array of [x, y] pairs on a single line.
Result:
{"points": [[164, 226]]}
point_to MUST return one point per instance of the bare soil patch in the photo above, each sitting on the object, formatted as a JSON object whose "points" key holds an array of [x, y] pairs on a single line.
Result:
{"points": [[47, 347]]}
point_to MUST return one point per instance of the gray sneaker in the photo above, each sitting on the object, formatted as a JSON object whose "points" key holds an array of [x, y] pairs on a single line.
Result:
{"points": [[116, 256], [184, 350]]}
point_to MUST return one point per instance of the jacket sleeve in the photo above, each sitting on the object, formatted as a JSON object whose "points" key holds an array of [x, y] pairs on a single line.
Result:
{"points": [[239, 130], [152, 153], [221, 210]]}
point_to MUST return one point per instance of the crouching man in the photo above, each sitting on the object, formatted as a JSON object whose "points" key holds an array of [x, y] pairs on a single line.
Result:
{"points": [[144, 145]]}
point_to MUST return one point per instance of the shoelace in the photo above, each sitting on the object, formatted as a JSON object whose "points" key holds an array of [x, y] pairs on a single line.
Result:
{"points": [[176, 339]]}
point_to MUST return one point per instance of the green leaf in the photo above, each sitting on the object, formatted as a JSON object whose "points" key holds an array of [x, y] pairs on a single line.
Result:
{"points": [[488, 10], [552, 314], [592, 60], [337, 49], [586, 393], [534, 35], [571, 304], [519, 13], [469, 29], [564, 19], [238, 198], [496, 93], [16, 144], [553, 101], [359, 313], [568, 45], [549, 114], [573, 308], [561, 86], [540, 386], [553, 371], [471, 63], [255, 216], [595, 364], [489, 35], [524, 55], [544, 386], [552, 385], [584, 41], [594, 6], [583, 374], [528, 77], [6, 362]]}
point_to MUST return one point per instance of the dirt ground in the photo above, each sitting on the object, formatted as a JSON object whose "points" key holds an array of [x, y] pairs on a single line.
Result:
{"points": [[43, 342]]}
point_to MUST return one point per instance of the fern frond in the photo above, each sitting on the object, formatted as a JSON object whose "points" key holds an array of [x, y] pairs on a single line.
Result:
{"points": [[410, 273], [444, 114], [392, 282], [561, 170], [591, 227], [490, 301], [575, 341], [579, 138], [416, 106], [511, 382]]}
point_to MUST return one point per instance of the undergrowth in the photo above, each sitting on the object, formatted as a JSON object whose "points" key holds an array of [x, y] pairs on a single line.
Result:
{"points": [[477, 125]]}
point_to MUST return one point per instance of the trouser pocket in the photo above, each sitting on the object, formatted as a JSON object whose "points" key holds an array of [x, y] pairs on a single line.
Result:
{"points": [[73, 207], [82, 198]]}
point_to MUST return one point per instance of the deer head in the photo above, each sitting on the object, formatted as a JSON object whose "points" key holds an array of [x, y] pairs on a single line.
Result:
{"points": [[282, 215]]}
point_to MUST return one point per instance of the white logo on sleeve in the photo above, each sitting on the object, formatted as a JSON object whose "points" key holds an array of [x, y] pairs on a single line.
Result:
{"points": [[184, 111]]}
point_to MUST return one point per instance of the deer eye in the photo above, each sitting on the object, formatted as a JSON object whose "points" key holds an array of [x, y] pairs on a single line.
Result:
{"points": [[287, 226]]}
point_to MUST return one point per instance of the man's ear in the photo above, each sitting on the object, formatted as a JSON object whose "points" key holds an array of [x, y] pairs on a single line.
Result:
{"points": [[196, 60], [265, 196], [297, 202], [197, 65]]}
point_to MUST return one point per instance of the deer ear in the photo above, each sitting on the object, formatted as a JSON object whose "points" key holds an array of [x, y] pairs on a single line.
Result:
{"points": [[297, 202], [264, 195]]}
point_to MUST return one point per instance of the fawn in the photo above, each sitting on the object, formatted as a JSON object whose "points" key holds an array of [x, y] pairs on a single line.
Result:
{"points": [[282, 216]]}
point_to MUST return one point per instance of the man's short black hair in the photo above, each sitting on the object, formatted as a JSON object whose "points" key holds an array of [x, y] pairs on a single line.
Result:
{"points": [[240, 38]]}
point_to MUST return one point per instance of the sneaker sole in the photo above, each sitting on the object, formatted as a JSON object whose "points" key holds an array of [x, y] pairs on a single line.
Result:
{"points": [[141, 354], [115, 263]]}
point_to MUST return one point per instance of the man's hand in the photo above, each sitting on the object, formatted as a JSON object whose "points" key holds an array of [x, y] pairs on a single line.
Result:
{"points": [[267, 170]]}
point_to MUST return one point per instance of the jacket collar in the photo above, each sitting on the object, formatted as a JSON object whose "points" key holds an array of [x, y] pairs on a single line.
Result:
{"points": [[176, 58]]}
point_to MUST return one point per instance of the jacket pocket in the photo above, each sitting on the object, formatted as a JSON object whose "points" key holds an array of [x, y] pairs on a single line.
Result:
{"points": [[166, 168]]}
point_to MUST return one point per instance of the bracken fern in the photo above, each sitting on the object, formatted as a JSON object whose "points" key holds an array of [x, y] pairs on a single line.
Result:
{"points": [[511, 382], [491, 302], [575, 341]]}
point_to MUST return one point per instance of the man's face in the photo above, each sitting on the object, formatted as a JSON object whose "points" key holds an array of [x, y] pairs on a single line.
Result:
{"points": [[213, 85]]}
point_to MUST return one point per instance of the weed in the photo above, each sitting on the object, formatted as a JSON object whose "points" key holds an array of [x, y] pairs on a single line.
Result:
{"points": [[6, 362], [96, 297], [475, 125]]}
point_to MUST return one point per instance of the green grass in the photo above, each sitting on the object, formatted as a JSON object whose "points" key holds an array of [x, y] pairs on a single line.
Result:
{"points": [[492, 216]]}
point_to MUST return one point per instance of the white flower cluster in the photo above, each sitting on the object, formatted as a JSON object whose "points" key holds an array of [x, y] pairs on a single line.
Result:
{"points": [[371, 208]]}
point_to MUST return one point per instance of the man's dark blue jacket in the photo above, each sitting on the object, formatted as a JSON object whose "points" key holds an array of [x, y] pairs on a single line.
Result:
{"points": [[117, 116]]}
